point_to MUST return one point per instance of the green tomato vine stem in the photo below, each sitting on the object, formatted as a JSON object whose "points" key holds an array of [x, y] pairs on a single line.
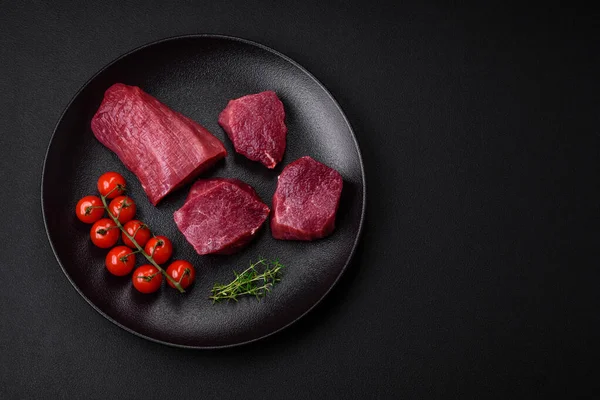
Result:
{"points": [[140, 249]]}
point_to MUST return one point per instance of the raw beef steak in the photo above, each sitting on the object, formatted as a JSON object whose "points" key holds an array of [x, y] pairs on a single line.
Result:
{"points": [[254, 123], [306, 201], [203, 185], [220, 215], [163, 148]]}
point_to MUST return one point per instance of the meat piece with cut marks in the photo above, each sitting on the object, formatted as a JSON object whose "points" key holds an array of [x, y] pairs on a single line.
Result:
{"points": [[306, 201], [220, 215], [255, 124], [202, 185], [162, 147]]}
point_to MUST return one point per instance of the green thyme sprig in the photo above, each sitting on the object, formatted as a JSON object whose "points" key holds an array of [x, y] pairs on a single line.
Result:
{"points": [[251, 282]]}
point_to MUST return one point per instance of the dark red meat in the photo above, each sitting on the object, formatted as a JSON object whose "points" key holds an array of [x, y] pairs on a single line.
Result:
{"points": [[163, 148], [220, 215], [202, 185], [306, 201], [254, 123]]}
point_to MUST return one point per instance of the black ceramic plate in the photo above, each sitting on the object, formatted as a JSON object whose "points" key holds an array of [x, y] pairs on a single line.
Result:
{"points": [[197, 75]]}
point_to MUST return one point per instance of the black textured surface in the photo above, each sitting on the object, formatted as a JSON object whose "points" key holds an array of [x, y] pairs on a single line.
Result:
{"points": [[477, 275], [197, 76]]}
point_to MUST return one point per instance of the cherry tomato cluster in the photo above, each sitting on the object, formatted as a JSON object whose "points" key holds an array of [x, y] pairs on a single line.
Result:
{"points": [[120, 260]]}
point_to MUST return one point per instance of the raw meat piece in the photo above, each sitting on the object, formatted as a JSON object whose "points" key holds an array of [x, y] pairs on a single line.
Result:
{"points": [[202, 185], [255, 125], [220, 215], [306, 201], [163, 148]]}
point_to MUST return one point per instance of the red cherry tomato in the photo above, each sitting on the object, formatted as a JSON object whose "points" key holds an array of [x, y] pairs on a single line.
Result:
{"points": [[104, 233], [123, 208], [160, 249], [111, 185], [139, 231], [89, 209], [147, 278], [119, 261], [181, 271]]}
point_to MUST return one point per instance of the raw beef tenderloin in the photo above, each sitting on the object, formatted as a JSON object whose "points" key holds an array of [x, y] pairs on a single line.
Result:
{"points": [[255, 124], [220, 215], [305, 201], [163, 148]]}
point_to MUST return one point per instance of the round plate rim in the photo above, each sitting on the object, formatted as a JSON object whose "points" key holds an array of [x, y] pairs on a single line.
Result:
{"points": [[235, 39]]}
